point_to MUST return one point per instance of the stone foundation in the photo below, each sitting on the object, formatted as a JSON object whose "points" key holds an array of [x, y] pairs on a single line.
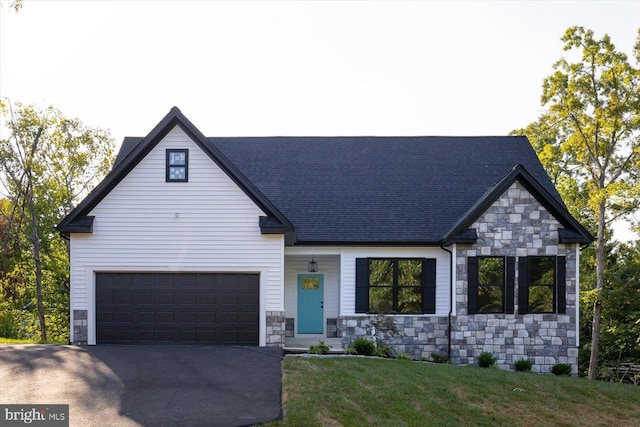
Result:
{"points": [[418, 336], [276, 328], [80, 327], [545, 339], [332, 328], [289, 327]]}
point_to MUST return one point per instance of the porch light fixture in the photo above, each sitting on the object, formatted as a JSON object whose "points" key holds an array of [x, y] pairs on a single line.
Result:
{"points": [[313, 266]]}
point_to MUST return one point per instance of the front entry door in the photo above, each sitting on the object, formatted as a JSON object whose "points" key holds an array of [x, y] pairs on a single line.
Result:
{"points": [[310, 303]]}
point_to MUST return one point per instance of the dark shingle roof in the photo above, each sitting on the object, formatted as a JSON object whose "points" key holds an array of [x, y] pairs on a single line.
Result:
{"points": [[358, 190], [378, 189]]}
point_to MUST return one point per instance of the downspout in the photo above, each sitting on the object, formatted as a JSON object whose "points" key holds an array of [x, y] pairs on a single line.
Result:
{"points": [[450, 300]]}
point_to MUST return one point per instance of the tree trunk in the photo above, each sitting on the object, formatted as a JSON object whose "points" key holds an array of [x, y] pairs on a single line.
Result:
{"points": [[597, 308], [35, 239]]}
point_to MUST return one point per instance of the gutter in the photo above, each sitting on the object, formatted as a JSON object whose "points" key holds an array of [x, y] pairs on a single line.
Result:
{"points": [[450, 300]]}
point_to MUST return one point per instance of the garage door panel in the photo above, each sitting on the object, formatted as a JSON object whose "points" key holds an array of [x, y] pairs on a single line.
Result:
{"points": [[177, 307], [187, 298], [207, 317], [206, 298]]}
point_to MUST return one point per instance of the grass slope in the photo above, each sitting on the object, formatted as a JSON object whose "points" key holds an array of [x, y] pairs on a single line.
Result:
{"points": [[378, 392]]}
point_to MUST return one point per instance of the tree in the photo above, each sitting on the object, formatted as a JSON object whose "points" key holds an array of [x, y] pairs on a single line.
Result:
{"points": [[47, 163], [589, 139]]}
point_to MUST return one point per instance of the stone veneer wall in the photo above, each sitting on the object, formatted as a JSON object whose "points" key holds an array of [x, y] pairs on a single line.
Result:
{"points": [[80, 327], [516, 224], [276, 328], [418, 336]]}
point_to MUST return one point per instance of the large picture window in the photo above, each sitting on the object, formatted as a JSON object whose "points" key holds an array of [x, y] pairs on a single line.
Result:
{"points": [[395, 285]]}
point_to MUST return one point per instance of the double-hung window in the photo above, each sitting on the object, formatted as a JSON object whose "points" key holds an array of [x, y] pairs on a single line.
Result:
{"points": [[177, 165], [395, 285]]}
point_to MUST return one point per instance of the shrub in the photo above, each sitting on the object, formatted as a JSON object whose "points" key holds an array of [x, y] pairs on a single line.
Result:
{"points": [[364, 346], [384, 351], [321, 348], [8, 327], [350, 350], [523, 365], [486, 360], [561, 369], [439, 358], [403, 356]]}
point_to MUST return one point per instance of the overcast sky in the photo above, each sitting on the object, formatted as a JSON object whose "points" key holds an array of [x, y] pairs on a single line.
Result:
{"points": [[296, 68]]}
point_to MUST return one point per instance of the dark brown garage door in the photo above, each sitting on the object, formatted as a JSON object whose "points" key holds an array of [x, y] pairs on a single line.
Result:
{"points": [[186, 308]]}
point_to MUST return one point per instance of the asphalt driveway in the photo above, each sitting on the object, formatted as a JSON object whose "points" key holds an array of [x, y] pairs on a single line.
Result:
{"points": [[146, 385]]}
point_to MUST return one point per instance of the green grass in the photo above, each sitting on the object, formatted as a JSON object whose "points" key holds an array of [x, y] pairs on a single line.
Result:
{"points": [[17, 341], [378, 392]]}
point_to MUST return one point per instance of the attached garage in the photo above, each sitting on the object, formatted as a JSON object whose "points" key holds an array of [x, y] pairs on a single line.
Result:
{"points": [[181, 308]]}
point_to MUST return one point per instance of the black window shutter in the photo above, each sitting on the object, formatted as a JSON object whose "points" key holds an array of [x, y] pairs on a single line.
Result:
{"points": [[429, 286], [561, 277], [511, 283], [472, 284], [523, 285], [362, 285]]}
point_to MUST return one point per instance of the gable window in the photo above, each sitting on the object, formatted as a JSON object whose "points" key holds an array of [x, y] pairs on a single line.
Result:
{"points": [[491, 284], [542, 284], [177, 166], [395, 285]]}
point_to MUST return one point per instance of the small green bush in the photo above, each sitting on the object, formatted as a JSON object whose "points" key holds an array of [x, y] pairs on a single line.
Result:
{"points": [[364, 346], [403, 356], [486, 360], [350, 350], [561, 369], [439, 358], [321, 348], [384, 351], [523, 365]]}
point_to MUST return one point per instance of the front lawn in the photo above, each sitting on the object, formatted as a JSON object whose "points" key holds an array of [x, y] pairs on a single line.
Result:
{"points": [[356, 391], [18, 341]]}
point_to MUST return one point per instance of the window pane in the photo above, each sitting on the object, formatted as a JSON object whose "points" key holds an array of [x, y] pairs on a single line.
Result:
{"points": [[177, 172], [177, 158], [541, 299], [410, 300], [541, 271], [380, 299], [490, 299], [380, 272], [409, 272], [491, 271]]}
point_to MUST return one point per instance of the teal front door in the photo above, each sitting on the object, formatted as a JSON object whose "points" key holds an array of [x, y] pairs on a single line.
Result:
{"points": [[310, 303]]}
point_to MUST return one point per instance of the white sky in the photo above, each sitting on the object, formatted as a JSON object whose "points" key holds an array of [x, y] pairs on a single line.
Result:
{"points": [[296, 68]]}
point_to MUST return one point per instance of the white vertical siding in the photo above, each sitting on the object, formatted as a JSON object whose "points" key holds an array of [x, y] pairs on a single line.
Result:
{"points": [[146, 224], [329, 266]]}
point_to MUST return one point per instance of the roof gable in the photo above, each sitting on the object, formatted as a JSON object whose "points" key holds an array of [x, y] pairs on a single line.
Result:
{"points": [[574, 232], [135, 149]]}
